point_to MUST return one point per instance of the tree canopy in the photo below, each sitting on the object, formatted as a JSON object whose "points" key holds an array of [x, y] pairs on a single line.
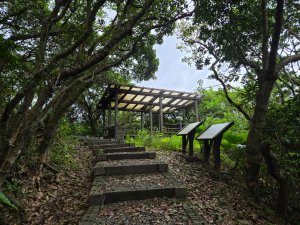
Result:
{"points": [[55, 50], [255, 43]]}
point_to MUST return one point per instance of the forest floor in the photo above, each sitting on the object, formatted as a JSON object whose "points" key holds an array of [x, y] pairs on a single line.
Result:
{"points": [[219, 198], [63, 197]]}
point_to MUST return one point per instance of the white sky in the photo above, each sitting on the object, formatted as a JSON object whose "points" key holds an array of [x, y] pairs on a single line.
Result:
{"points": [[174, 74]]}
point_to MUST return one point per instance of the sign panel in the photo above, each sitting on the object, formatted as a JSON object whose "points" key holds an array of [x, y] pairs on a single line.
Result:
{"points": [[214, 130], [186, 130]]}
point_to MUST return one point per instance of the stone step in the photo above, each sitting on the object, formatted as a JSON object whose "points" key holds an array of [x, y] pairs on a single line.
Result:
{"points": [[133, 166], [126, 155], [102, 141], [108, 189], [148, 211], [120, 149], [109, 145], [89, 138]]}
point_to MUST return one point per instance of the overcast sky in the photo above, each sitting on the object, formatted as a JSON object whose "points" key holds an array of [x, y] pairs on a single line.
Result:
{"points": [[174, 74]]}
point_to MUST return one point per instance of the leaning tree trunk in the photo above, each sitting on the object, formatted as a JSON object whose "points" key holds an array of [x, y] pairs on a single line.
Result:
{"points": [[52, 121], [254, 140]]}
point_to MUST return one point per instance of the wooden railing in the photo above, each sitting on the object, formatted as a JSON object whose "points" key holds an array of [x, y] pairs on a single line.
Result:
{"points": [[170, 128]]}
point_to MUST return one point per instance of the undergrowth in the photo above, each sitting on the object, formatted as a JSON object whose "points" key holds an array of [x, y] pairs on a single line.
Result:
{"points": [[64, 146], [231, 155]]}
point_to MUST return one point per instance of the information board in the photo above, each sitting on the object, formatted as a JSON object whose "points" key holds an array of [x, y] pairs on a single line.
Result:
{"points": [[214, 130], [186, 130]]}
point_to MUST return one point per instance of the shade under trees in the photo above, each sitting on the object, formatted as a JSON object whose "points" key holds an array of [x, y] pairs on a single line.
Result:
{"points": [[52, 52]]}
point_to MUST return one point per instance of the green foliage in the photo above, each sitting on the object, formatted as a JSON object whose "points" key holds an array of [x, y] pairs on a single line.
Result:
{"points": [[4, 200], [156, 141], [283, 131], [13, 186], [214, 109], [6, 54], [64, 146]]}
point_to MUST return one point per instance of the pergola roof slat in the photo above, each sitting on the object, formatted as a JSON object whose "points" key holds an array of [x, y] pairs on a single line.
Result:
{"points": [[139, 99]]}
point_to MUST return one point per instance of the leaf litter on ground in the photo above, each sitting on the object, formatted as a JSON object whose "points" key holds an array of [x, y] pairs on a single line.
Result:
{"points": [[63, 198]]}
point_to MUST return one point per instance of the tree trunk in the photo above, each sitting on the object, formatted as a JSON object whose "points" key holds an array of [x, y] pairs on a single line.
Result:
{"points": [[8, 161], [254, 140], [93, 123], [275, 171], [52, 120]]}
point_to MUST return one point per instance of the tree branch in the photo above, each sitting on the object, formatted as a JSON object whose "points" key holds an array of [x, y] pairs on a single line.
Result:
{"points": [[271, 72], [233, 103], [287, 60], [265, 28]]}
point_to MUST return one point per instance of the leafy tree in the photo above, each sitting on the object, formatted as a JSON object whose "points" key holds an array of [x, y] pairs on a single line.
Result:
{"points": [[87, 105], [60, 47], [254, 42]]}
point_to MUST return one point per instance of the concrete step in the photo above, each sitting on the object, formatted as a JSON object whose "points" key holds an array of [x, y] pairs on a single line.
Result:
{"points": [[108, 189], [131, 166], [126, 155], [109, 145]]}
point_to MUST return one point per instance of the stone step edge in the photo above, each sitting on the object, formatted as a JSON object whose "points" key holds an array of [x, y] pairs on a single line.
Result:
{"points": [[102, 141], [126, 155], [119, 150], [176, 189], [92, 212], [110, 145], [193, 214], [88, 142], [130, 169], [137, 194]]}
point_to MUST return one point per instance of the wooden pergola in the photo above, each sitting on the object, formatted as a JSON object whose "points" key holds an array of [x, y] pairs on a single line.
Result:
{"points": [[146, 100]]}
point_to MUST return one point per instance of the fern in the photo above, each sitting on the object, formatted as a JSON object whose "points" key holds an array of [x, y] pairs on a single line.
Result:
{"points": [[227, 160]]}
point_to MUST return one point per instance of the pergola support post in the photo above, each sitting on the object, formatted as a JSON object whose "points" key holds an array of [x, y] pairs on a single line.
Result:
{"points": [[183, 116], [142, 120], [196, 111], [109, 117], [151, 120], [116, 117], [103, 119], [161, 118]]}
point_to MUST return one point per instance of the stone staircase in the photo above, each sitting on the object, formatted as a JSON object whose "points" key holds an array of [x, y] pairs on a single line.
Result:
{"points": [[124, 172]]}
